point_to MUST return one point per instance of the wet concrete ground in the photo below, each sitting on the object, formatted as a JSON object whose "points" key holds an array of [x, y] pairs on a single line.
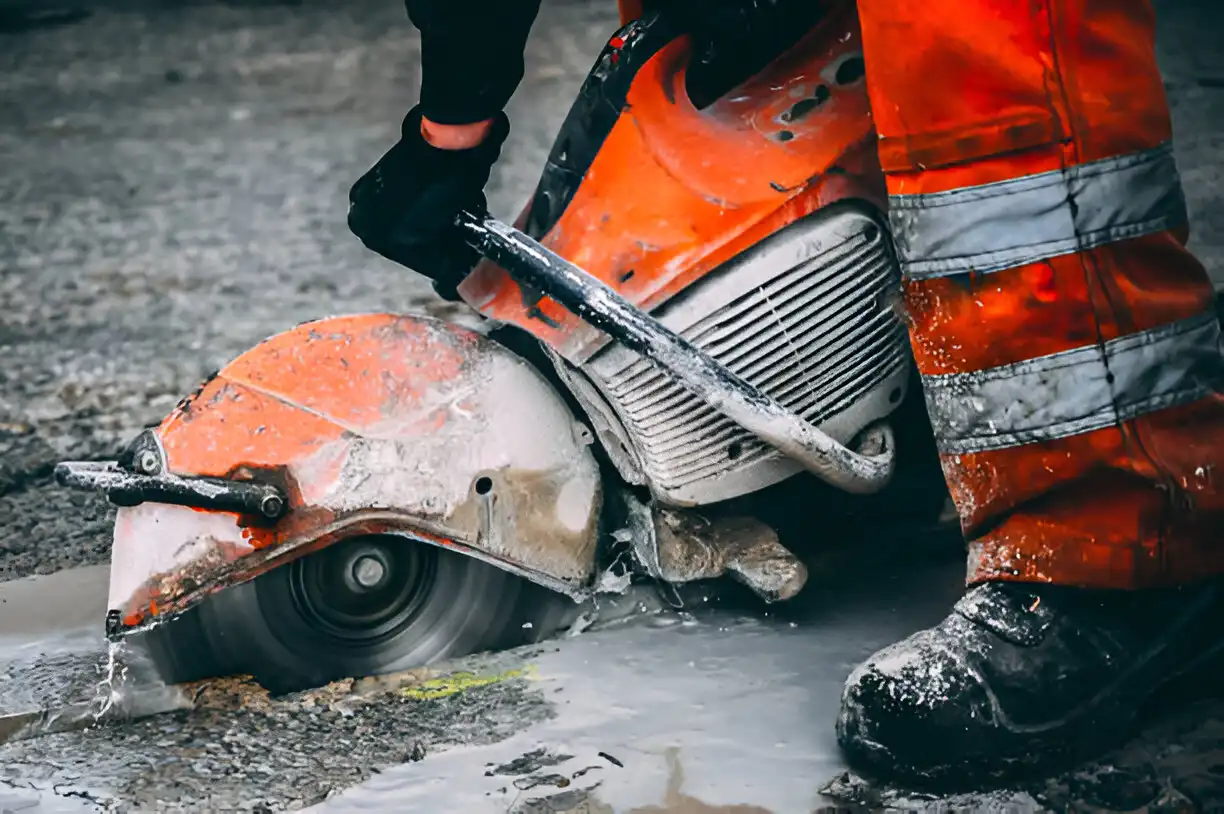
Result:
{"points": [[720, 709], [172, 190]]}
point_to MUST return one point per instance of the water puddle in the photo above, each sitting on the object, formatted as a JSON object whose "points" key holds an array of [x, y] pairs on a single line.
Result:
{"points": [[692, 712], [51, 640]]}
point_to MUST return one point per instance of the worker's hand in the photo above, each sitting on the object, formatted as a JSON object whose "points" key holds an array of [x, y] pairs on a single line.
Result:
{"points": [[404, 208]]}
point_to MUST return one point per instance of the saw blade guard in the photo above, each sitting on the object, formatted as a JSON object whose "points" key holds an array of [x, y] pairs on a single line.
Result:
{"points": [[372, 424]]}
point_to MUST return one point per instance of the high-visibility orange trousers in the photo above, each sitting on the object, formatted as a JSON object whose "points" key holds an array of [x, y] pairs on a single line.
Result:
{"points": [[1067, 340]]}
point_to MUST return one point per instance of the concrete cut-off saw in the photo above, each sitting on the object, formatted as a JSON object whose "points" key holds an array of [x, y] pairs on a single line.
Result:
{"points": [[672, 387]]}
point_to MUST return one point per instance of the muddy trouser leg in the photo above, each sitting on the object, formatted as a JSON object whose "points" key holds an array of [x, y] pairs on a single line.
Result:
{"points": [[1067, 339], [1070, 356]]}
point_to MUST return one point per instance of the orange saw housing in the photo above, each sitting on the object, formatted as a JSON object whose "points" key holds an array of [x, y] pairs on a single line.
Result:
{"points": [[665, 199]]}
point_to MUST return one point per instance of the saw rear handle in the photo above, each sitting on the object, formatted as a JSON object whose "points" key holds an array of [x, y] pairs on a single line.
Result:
{"points": [[531, 264]]}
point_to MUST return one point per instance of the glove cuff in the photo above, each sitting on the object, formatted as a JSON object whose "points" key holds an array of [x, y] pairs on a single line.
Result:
{"points": [[487, 151]]}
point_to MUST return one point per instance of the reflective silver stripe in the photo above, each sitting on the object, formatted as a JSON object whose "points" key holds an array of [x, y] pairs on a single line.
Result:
{"points": [[1078, 390], [1007, 224]]}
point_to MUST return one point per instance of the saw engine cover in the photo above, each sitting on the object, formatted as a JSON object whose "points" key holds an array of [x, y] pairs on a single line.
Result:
{"points": [[368, 425]]}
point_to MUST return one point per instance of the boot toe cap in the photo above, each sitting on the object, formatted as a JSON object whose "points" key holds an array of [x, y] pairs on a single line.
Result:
{"points": [[917, 707]]}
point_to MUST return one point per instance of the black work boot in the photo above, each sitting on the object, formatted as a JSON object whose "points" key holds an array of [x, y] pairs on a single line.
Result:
{"points": [[1020, 677]]}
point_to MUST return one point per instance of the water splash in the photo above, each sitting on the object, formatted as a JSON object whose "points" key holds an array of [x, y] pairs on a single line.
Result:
{"points": [[109, 690]]}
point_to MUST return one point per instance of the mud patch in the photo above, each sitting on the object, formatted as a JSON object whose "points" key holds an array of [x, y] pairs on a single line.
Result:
{"points": [[527, 764]]}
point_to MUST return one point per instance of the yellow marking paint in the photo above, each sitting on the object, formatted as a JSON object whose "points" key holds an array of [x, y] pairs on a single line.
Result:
{"points": [[461, 682]]}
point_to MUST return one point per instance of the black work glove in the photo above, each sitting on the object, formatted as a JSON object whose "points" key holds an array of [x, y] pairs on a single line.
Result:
{"points": [[405, 206]]}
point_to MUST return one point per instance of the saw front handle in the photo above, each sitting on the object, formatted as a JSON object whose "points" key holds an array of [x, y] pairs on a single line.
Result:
{"points": [[126, 487], [531, 264]]}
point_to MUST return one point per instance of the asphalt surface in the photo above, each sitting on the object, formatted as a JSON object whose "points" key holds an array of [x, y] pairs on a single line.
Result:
{"points": [[172, 190]]}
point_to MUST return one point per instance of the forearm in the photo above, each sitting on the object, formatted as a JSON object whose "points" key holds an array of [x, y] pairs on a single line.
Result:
{"points": [[471, 57]]}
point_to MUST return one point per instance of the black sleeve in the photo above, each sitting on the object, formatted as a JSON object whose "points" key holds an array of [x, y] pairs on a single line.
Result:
{"points": [[471, 55]]}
